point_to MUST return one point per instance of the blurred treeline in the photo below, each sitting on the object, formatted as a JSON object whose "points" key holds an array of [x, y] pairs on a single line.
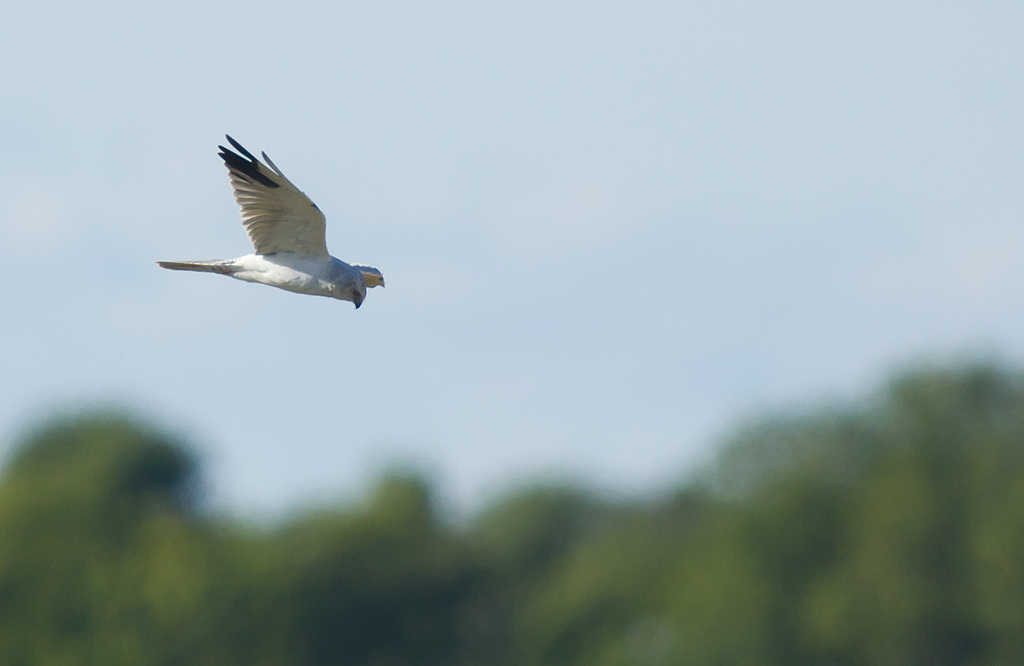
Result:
{"points": [[890, 531]]}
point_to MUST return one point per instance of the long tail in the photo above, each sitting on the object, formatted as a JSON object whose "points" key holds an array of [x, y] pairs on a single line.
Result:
{"points": [[222, 267]]}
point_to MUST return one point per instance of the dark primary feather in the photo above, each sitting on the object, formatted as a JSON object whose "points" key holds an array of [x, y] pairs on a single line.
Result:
{"points": [[250, 168], [240, 148]]}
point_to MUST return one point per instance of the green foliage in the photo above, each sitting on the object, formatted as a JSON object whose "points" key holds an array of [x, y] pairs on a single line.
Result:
{"points": [[888, 532], [380, 586]]}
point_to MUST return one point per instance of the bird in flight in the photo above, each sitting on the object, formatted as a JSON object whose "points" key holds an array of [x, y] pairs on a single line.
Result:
{"points": [[287, 232]]}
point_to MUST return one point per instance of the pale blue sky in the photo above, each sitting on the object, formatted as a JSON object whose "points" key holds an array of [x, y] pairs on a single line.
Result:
{"points": [[609, 230]]}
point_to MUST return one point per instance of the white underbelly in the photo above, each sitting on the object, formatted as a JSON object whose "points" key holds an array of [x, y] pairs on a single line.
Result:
{"points": [[297, 275]]}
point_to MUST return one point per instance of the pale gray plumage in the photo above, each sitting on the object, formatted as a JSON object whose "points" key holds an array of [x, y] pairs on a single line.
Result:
{"points": [[287, 232]]}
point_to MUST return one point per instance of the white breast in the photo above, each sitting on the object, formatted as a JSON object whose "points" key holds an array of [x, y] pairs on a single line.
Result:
{"points": [[288, 271]]}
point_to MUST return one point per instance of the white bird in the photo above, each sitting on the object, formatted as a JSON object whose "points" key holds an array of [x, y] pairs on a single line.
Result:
{"points": [[287, 232]]}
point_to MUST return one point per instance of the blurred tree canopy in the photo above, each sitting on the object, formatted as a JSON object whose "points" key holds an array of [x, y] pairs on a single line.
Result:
{"points": [[889, 531]]}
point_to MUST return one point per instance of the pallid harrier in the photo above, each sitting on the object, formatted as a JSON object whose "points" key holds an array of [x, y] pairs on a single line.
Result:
{"points": [[287, 234]]}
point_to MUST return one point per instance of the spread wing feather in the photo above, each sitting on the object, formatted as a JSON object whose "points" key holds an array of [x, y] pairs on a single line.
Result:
{"points": [[276, 215]]}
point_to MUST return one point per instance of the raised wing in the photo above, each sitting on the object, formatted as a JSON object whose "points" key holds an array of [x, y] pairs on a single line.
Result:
{"points": [[276, 215], [372, 276]]}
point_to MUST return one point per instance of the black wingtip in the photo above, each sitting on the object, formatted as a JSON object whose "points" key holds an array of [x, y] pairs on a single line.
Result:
{"points": [[239, 147], [250, 168]]}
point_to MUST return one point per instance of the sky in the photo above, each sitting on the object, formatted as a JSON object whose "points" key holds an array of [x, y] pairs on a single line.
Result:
{"points": [[610, 231]]}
